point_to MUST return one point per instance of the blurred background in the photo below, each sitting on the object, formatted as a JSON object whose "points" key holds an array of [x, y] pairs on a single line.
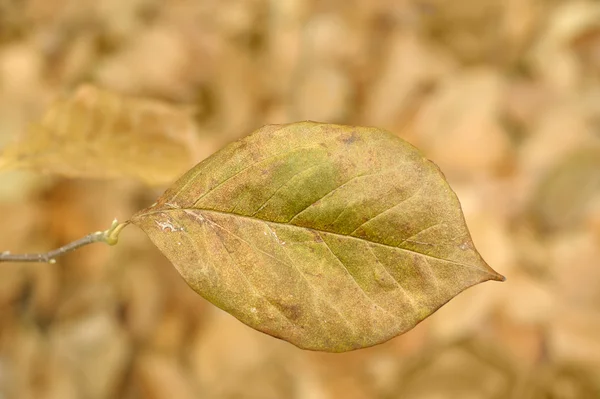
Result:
{"points": [[504, 95]]}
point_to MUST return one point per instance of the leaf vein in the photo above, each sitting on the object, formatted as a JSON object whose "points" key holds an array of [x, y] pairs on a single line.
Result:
{"points": [[285, 184], [333, 233], [366, 295], [433, 276], [274, 235], [293, 266], [328, 194], [411, 300], [386, 210], [421, 231], [193, 178], [250, 284], [239, 172]]}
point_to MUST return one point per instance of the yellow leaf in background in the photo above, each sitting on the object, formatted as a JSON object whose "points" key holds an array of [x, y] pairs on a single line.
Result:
{"points": [[99, 134], [566, 193]]}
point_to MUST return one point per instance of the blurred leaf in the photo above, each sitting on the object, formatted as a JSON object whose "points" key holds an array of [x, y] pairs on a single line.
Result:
{"points": [[331, 237], [563, 194], [467, 368], [561, 381], [100, 134]]}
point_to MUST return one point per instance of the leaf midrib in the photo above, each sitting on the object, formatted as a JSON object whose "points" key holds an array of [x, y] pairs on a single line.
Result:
{"points": [[172, 207]]}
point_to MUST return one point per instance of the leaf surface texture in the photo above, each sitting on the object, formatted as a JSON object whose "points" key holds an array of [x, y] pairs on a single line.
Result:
{"points": [[331, 237]]}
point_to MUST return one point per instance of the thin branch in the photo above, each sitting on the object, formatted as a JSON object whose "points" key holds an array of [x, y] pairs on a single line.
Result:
{"points": [[110, 237]]}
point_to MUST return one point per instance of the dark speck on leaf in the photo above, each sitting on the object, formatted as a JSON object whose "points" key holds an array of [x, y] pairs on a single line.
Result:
{"points": [[351, 139], [317, 237]]}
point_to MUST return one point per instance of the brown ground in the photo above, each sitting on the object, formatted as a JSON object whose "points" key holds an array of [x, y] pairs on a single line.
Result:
{"points": [[503, 94]]}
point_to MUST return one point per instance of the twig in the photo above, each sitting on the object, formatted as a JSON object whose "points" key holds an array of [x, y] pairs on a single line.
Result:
{"points": [[110, 237]]}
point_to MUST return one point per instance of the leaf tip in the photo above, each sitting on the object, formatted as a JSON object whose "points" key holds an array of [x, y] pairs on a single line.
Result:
{"points": [[498, 277]]}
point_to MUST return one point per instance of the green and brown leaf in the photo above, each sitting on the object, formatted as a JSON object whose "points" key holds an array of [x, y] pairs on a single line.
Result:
{"points": [[331, 237]]}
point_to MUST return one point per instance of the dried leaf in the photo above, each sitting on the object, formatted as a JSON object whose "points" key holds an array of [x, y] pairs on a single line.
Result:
{"points": [[100, 134], [331, 237], [564, 193]]}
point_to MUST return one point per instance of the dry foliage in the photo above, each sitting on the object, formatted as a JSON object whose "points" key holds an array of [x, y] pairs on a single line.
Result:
{"points": [[330, 237], [502, 95], [99, 134]]}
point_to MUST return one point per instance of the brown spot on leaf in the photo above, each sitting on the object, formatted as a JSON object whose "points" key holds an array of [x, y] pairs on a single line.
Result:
{"points": [[353, 138]]}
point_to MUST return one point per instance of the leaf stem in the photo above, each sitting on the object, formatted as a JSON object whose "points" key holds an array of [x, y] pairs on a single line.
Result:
{"points": [[110, 237]]}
